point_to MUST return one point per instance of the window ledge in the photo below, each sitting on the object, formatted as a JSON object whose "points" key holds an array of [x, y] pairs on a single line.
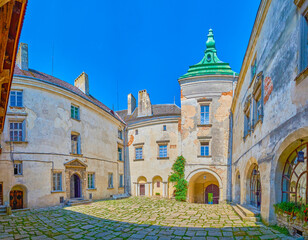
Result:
{"points": [[78, 120], [18, 175], [201, 156], [110, 188], [16, 107], [257, 122], [58, 191], [17, 142], [142, 159], [204, 125], [162, 158], [301, 76], [91, 189], [121, 187], [121, 161], [76, 155]]}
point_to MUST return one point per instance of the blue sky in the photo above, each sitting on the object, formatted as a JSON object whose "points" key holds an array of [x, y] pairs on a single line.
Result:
{"points": [[136, 44]]}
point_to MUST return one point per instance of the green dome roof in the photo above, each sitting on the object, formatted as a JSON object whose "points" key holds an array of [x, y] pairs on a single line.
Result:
{"points": [[210, 63]]}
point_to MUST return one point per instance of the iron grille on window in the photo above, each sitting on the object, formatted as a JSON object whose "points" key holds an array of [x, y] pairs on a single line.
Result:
{"points": [[16, 131]]}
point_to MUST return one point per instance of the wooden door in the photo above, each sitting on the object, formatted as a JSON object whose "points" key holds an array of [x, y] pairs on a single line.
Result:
{"points": [[16, 199], [211, 194], [1, 193], [142, 189]]}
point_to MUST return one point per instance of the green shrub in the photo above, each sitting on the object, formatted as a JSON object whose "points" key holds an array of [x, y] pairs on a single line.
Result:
{"points": [[157, 193], [177, 176]]}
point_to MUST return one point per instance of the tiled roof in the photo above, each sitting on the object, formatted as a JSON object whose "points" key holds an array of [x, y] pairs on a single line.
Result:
{"points": [[159, 110], [56, 81]]}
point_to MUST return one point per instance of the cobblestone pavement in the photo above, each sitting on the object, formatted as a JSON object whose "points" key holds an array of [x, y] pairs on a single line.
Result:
{"points": [[133, 218]]}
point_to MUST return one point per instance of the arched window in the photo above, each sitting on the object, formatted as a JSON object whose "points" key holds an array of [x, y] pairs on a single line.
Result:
{"points": [[294, 183], [255, 187]]}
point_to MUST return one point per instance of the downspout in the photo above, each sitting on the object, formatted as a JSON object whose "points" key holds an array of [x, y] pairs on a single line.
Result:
{"points": [[229, 190]]}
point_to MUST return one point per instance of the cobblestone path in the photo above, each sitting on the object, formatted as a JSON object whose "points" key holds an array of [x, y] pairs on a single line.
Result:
{"points": [[134, 218]]}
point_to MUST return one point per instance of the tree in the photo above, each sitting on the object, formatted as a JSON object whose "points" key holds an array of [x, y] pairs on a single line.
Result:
{"points": [[177, 176]]}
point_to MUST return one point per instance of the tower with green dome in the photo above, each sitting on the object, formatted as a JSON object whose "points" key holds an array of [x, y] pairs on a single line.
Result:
{"points": [[206, 97]]}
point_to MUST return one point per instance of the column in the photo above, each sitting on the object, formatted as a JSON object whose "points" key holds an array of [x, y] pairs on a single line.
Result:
{"points": [[146, 186], [164, 189], [151, 189]]}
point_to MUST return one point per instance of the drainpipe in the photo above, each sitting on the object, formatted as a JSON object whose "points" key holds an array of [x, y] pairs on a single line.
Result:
{"points": [[126, 162], [229, 185]]}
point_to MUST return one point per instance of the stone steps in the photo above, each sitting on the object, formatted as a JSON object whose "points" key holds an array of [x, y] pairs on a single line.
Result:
{"points": [[77, 201], [246, 213], [2, 210]]}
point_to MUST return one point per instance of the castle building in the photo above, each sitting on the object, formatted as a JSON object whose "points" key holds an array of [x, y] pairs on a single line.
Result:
{"points": [[58, 143], [269, 133], [157, 134]]}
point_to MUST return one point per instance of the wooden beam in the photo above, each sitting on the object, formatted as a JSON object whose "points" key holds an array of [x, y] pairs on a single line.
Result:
{"points": [[2, 2]]}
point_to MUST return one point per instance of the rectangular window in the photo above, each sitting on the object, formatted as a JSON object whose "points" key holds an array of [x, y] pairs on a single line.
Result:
{"points": [[162, 151], [158, 184], [75, 141], [18, 169], [57, 182], [205, 114], [110, 180], [247, 124], [120, 154], [205, 149], [16, 98], [120, 134], [164, 128], [17, 131], [304, 44], [121, 181], [253, 68], [136, 132], [139, 153], [91, 180], [75, 112]]}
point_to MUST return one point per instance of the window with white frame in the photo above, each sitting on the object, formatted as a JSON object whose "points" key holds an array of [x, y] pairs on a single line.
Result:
{"points": [[120, 154], [139, 153], [110, 180], [205, 114], [18, 168], [16, 98], [57, 181], [17, 131], [121, 180], [91, 180], [204, 149], [75, 112], [163, 151], [75, 143]]}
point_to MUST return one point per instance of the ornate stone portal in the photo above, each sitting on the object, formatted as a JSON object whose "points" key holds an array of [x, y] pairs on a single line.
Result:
{"points": [[78, 168]]}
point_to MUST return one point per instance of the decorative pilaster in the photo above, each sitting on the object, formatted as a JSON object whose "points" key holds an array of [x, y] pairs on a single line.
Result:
{"points": [[151, 189]]}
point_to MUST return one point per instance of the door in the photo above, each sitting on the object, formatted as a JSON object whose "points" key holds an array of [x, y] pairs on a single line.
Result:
{"points": [[142, 189], [75, 186], [211, 194], [16, 199], [1, 193]]}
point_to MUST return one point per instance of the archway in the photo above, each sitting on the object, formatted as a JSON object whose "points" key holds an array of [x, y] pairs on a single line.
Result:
{"points": [[237, 187], [157, 185], [203, 187], [141, 186], [254, 186], [75, 184], [18, 197]]}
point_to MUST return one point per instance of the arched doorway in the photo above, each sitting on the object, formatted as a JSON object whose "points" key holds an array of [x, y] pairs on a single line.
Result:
{"points": [[141, 186], [75, 186], [18, 197], [203, 187], [255, 187], [237, 188], [157, 185]]}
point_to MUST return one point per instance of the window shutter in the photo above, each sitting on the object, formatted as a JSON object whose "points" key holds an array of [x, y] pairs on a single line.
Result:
{"points": [[79, 145], [24, 130]]}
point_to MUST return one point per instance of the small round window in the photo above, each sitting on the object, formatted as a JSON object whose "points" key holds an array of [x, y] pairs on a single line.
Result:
{"points": [[208, 57]]}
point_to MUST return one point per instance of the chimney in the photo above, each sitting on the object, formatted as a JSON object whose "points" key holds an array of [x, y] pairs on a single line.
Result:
{"points": [[131, 104], [144, 104], [82, 82], [22, 57]]}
